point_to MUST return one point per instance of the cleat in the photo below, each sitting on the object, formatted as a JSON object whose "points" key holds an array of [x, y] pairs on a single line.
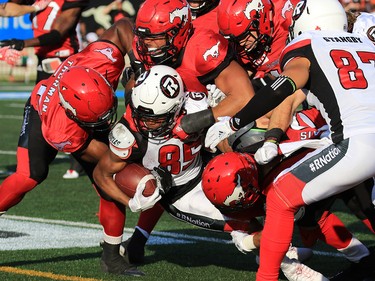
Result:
{"points": [[71, 174], [362, 270], [300, 254], [296, 271], [133, 249], [112, 262]]}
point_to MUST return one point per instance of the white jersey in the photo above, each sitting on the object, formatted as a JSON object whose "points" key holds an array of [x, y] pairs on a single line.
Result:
{"points": [[341, 84], [182, 160]]}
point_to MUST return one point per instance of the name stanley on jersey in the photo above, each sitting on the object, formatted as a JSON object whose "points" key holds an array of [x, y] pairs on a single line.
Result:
{"points": [[346, 39]]}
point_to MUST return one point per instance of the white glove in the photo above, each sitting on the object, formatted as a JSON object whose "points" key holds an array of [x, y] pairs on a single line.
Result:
{"points": [[10, 56], [218, 132], [266, 153], [215, 95], [41, 5], [139, 202], [238, 238]]}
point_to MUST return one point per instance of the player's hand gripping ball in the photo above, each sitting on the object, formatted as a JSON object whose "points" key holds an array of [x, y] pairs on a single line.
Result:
{"points": [[129, 178]]}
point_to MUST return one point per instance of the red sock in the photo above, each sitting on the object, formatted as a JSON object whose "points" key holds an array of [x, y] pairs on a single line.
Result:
{"points": [[276, 236], [112, 217], [149, 218], [13, 189], [333, 231]]}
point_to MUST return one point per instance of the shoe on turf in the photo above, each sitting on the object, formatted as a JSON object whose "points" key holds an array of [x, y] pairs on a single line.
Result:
{"points": [[361, 270], [71, 174], [296, 271], [133, 249], [112, 262]]}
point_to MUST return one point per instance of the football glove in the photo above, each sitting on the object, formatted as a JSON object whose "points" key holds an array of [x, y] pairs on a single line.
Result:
{"points": [[10, 56], [13, 44], [141, 203], [218, 132], [243, 241], [266, 153], [215, 95], [163, 179], [127, 75]]}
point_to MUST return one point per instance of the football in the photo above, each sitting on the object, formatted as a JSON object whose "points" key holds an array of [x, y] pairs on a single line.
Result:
{"points": [[129, 177]]}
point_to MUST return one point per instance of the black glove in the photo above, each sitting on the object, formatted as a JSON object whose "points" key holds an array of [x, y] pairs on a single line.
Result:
{"points": [[13, 43], [163, 178], [127, 75]]}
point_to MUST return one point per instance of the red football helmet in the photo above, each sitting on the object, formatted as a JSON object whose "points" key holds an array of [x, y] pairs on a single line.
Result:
{"points": [[169, 20], [87, 97], [248, 24], [230, 181], [201, 7]]}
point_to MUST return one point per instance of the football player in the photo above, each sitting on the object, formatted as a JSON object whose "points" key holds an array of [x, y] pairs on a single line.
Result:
{"points": [[315, 61], [55, 36], [201, 58], [64, 114]]}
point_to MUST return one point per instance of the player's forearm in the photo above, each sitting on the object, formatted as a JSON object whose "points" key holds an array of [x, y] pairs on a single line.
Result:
{"points": [[15, 10], [265, 100]]}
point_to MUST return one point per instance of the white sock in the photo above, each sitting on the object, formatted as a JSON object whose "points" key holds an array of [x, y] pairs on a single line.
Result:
{"points": [[355, 250], [112, 239]]}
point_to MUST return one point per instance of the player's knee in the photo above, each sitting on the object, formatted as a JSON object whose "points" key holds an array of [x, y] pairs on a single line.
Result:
{"points": [[39, 173]]}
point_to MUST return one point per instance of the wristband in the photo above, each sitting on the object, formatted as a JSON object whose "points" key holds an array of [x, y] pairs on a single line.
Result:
{"points": [[51, 38], [274, 135], [195, 122]]}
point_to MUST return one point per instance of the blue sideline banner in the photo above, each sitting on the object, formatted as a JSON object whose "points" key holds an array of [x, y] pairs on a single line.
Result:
{"points": [[18, 27]]}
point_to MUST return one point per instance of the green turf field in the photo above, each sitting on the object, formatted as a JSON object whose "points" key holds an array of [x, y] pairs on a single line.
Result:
{"points": [[53, 234]]}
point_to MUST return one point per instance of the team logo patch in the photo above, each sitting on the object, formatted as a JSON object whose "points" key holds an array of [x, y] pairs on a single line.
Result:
{"points": [[253, 8], [288, 6], [237, 195], [182, 14], [170, 86], [371, 33], [108, 52], [197, 95], [213, 51], [300, 7]]}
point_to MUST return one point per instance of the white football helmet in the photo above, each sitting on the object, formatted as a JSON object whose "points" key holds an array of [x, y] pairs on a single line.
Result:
{"points": [[156, 101], [317, 15]]}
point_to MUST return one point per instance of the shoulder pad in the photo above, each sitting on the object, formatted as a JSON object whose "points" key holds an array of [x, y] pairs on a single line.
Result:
{"points": [[121, 141], [211, 49]]}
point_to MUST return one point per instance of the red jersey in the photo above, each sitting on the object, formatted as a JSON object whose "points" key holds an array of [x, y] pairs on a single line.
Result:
{"points": [[206, 55], [58, 130], [42, 23], [282, 19]]}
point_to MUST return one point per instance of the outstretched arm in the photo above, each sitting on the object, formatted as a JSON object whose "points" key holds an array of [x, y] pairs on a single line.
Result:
{"points": [[15, 10]]}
